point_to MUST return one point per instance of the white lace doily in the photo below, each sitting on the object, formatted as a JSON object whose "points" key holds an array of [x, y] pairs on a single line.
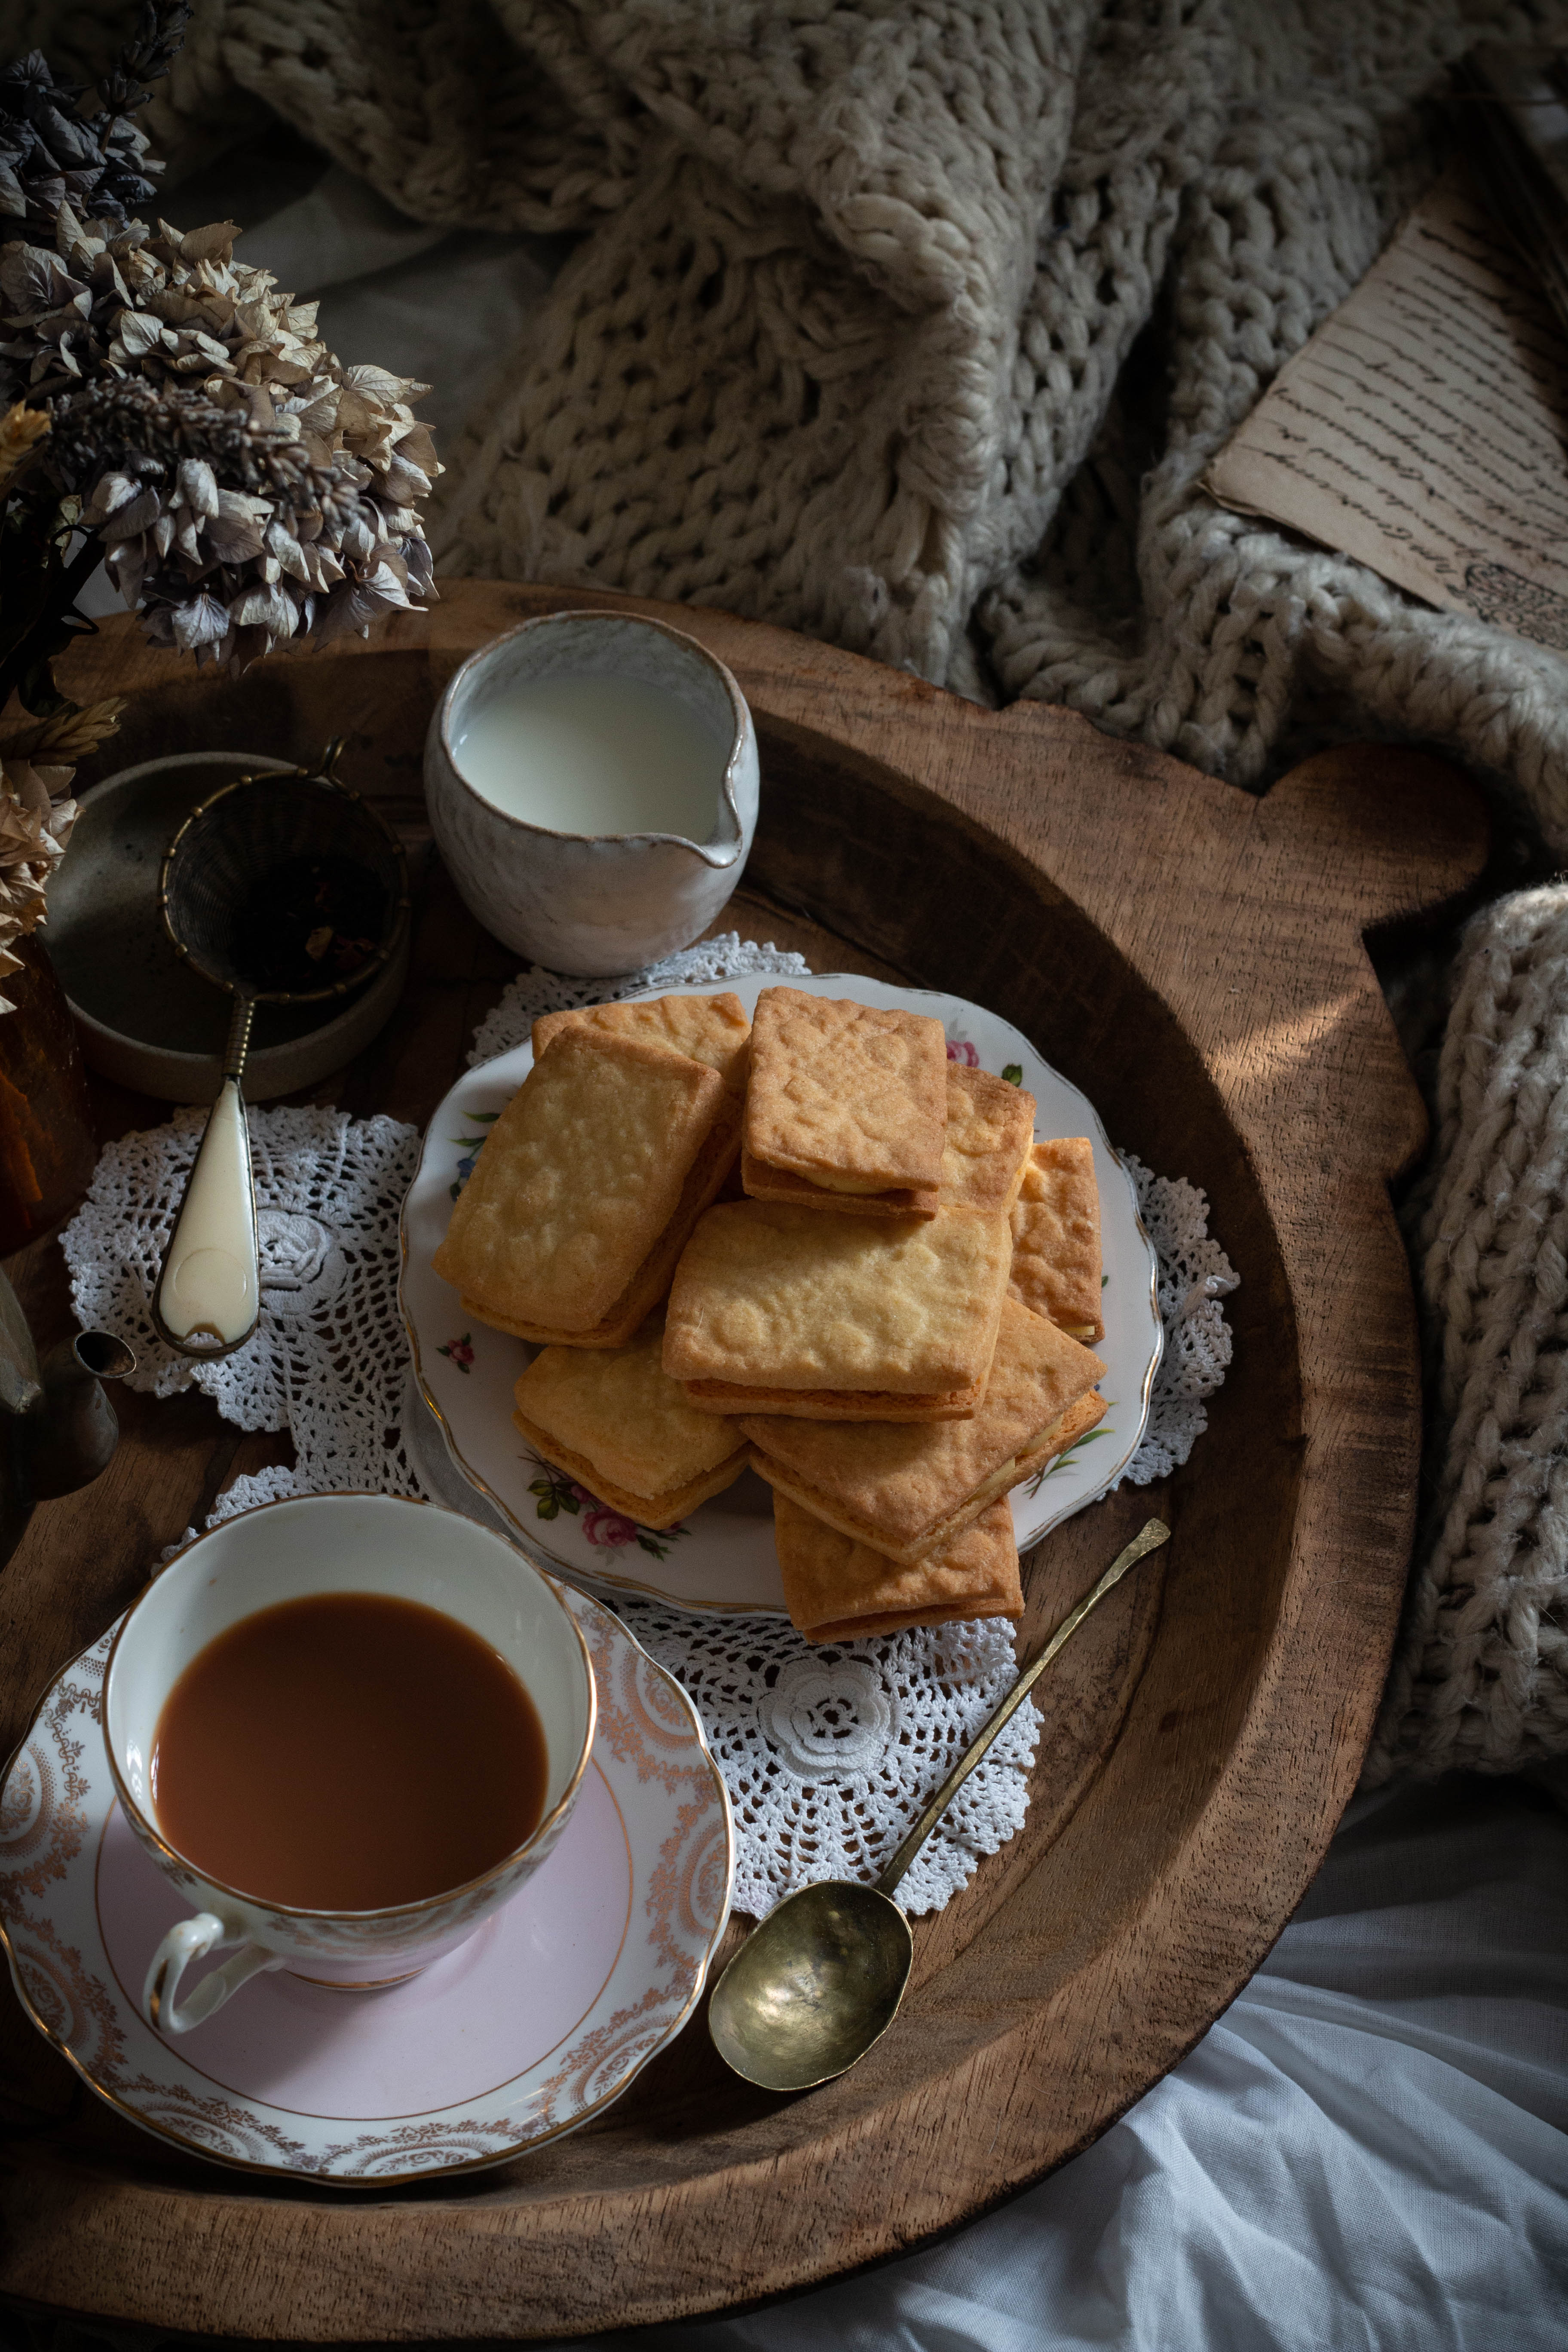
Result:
{"points": [[1194, 1275], [828, 1753], [510, 1023], [329, 1354]]}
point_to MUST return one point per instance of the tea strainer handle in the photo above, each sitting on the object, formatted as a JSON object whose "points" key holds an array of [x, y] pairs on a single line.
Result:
{"points": [[209, 1292]]}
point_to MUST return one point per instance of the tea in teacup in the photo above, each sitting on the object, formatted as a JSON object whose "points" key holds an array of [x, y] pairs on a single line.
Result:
{"points": [[348, 1751], [389, 1745]]}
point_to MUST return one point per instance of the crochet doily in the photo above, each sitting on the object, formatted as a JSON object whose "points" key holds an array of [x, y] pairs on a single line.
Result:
{"points": [[510, 1023], [829, 1752], [329, 1355]]}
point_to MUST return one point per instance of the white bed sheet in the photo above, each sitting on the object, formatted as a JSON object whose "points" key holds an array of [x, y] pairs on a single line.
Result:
{"points": [[1369, 2149]]}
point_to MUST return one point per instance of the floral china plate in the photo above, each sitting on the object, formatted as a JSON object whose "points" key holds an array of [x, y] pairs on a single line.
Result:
{"points": [[522, 2033], [722, 1557]]}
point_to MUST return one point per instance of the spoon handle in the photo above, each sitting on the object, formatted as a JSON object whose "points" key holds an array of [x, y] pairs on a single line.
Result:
{"points": [[1150, 1537]]}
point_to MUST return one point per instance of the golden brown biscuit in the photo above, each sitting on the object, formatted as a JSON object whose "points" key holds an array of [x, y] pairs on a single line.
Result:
{"points": [[852, 1096], [648, 1510], [761, 1183], [580, 1176], [990, 1127], [1056, 1238], [836, 1404], [710, 1029], [615, 1420], [649, 1287], [773, 1297], [841, 1590], [906, 1489]]}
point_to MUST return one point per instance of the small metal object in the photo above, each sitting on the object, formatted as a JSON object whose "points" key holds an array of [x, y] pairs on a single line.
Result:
{"points": [[821, 1978], [208, 1297], [58, 1428]]}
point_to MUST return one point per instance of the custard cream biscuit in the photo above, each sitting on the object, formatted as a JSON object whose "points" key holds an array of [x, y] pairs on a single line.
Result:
{"points": [[774, 1297], [852, 1097], [990, 1128], [613, 1420], [710, 1029], [905, 1490], [838, 1589], [649, 1285], [580, 1176], [1056, 1263]]}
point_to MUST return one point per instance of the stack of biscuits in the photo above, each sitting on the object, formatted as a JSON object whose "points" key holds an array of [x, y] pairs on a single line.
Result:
{"points": [[808, 1245]]}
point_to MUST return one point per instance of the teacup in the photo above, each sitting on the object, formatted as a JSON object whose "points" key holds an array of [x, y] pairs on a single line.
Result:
{"points": [[375, 1544], [593, 903]]}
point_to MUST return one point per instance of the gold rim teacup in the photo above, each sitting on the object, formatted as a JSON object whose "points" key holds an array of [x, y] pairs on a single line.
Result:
{"points": [[381, 1544]]}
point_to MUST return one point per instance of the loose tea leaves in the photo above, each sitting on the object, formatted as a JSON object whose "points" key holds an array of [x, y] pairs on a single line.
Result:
{"points": [[309, 923]]}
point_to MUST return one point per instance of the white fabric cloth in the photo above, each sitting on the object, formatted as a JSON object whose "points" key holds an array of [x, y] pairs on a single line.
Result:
{"points": [[1367, 2153]]}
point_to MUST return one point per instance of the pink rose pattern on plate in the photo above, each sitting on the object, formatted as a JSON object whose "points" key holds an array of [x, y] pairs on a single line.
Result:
{"points": [[604, 1527]]}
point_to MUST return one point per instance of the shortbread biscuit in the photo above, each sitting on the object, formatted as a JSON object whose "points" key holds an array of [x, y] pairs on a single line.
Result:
{"points": [[768, 1296], [579, 1177], [649, 1287], [710, 1029], [990, 1127], [1056, 1238], [836, 1404], [907, 1490], [613, 1420], [852, 1096], [841, 1590]]}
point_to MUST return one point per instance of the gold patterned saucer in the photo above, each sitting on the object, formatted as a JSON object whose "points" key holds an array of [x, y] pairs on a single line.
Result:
{"points": [[535, 2024]]}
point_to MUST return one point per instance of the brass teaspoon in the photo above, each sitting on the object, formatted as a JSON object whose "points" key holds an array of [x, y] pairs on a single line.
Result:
{"points": [[821, 1978]]}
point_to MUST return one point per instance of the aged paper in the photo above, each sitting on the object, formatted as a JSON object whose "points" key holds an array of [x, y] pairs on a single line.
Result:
{"points": [[1424, 429]]}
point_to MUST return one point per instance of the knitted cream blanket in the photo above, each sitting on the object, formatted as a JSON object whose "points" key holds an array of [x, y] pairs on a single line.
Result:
{"points": [[913, 324]]}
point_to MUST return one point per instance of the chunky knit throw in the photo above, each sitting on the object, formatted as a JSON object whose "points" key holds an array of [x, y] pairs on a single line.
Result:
{"points": [[913, 324], [1480, 1674]]}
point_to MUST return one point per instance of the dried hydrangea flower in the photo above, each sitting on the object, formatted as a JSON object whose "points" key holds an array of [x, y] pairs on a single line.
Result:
{"points": [[37, 812], [35, 820], [51, 152], [246, 486], [21, 430]]}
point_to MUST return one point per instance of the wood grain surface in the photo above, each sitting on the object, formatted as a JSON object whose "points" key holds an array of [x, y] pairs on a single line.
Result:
{"points": [[1193, 958]]}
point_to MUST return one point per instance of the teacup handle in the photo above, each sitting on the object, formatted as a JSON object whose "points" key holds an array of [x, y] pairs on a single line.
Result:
{"points": [[192, 1939]]}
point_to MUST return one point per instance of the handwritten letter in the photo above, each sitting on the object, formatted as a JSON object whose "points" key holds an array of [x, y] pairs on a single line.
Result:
{"points": [[1424, 429]]}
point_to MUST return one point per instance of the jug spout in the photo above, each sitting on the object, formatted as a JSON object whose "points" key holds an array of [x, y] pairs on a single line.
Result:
{"points": [[77, 1430]]}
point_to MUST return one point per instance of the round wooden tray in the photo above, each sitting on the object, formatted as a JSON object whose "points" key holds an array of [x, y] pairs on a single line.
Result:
{"points": [[1193, 958]]}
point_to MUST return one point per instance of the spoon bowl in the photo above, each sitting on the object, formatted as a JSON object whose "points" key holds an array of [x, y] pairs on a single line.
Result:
{"points": [[814, 1988]]}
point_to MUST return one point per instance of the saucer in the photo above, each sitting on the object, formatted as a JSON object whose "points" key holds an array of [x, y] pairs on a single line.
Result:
{"points": [[721, 1559], [535, 2024]]}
